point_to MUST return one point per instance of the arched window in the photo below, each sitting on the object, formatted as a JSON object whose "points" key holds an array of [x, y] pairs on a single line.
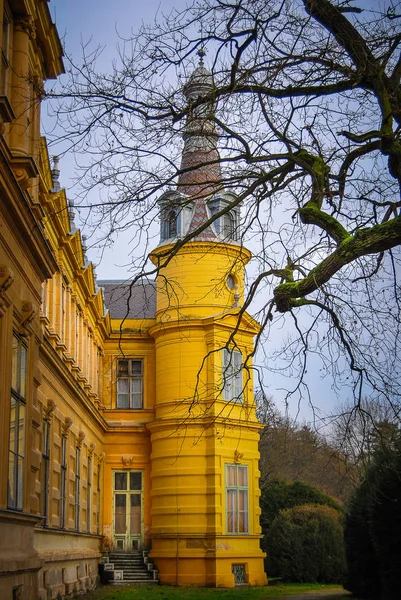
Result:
{"points": [[170, 227], [226, 225], [171, 224]]}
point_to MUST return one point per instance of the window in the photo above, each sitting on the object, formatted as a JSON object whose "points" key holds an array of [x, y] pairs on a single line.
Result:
{"points": [[129, 383], [5, 51], [89, 495], [45, 470], [77, 486], [98, 498], [17, 425], [63, 482], [237, 499], [232, 376], [171, 224], [225, 225]]}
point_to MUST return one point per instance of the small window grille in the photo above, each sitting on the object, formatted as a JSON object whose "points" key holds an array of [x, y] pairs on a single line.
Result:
{"points": [[239, 574]]}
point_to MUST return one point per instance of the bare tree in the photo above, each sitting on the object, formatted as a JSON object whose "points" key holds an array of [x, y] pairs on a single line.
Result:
{"points": [[358, 431], [306, 100]]}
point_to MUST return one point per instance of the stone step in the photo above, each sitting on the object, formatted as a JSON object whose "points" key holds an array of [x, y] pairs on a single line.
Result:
{"points": [[118, 561], [147, 582], [136, 567]]}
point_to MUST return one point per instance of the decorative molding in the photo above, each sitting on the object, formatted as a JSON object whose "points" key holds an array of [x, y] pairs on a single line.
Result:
{"points": [[26, 24], [238, 456], [127, 460], [25, 169], [91, 449], [66, 426], [6, 281], [49, 409], [29, 311], [101, 457], [81, 437]]}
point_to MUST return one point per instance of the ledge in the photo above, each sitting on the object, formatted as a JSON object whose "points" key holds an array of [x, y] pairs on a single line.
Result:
{"points": [[19, 518]]}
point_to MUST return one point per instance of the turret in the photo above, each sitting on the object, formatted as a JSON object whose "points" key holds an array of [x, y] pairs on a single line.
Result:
{"points": [[199, 194], [204, 410], [210, 266]]}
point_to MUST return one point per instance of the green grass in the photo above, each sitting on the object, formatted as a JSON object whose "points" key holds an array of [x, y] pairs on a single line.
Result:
{"points": [[243, 593]]}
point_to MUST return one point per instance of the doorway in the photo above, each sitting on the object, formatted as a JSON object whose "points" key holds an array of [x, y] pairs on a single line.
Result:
{"points": [[127, 510]]}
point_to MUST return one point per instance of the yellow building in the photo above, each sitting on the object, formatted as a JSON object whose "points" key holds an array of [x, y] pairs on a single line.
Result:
{"points": [[127, 420]]}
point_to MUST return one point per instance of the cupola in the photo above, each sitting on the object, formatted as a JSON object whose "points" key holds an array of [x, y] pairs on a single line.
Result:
{"points": [[199, 193]]}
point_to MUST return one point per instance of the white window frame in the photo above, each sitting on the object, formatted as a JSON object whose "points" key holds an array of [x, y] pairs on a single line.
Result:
{"points": [[227, 224], [133, 384], [232, 376], [237, 500]]}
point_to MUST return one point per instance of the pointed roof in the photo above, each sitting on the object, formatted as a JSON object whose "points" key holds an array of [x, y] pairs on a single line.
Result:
{"points": [[200, 157]]}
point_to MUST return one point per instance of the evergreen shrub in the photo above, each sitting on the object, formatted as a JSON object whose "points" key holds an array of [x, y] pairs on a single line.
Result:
{"points": [[305, 544]]}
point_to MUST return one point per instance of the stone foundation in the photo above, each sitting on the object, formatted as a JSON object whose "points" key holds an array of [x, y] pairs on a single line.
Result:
{"points": [[70, 563]]}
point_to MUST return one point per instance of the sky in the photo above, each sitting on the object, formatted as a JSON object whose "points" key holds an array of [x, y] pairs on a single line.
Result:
{"points": [[99, 26], [82, 21]]}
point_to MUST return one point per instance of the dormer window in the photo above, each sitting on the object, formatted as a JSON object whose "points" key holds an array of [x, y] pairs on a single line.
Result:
{"points": [[175, 216], [171, 224], [227, 224]]}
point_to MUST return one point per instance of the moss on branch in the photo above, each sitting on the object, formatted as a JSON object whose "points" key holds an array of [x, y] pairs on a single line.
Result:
{"points": [[310, 214], [376, 239]]}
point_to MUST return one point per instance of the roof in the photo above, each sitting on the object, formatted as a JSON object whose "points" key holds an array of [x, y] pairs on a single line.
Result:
{"points": [[127, 300]]}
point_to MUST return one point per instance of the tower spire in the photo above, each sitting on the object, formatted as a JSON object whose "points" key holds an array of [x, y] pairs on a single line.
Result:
{"points": [[199, 193], [200, 157]]}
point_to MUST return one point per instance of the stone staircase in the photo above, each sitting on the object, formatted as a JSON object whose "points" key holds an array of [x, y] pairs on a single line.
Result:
{"points": [[128, 568]]}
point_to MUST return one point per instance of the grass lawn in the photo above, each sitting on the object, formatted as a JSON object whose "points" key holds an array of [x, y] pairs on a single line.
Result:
{"points": [[244, 593]]}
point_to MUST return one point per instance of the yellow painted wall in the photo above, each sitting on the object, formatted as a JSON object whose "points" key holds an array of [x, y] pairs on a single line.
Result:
{"points": [[196, 433]]}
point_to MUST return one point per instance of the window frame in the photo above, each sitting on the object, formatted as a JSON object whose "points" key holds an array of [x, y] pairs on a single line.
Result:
{"points": [[236, 491], [226, 225], [45, 483], [98, 482], [77, 503], [6, 42], [89, 495], [133, 378], [63, 481], [18, 406], [232, 375], [170, 224]]}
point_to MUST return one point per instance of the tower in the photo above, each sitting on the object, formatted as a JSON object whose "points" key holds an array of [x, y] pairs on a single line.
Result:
{"points": [[204, 438]]}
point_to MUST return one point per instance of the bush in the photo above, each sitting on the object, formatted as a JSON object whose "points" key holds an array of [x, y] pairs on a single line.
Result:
{"points": [[278, 495], [373, 527], [305, 544], [363, 577]]}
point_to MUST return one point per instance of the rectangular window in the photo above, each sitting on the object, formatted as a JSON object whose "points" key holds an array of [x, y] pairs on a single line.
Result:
{"points": [[5, 51], [130, 383], [98, 498], [45, 470], [89, 495], [232, 376], [17, 425], [63, 482], [237, 499], [77, 486]]}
